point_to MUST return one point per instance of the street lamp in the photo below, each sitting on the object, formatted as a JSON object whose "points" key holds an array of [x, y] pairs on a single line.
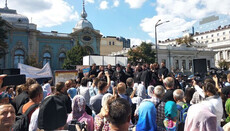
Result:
{"points": [[157, 24]]}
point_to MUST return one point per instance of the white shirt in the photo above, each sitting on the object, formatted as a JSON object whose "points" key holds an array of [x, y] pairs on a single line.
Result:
{"points": [[215, 105], [34, 121]]}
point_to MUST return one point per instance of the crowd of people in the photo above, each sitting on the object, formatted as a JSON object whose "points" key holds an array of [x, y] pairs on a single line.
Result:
{"points": [[136, 98]]}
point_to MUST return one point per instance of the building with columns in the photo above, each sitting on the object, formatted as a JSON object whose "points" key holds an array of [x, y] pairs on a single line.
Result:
{"points": [[180, 58], [217, 39], [27, 44]]}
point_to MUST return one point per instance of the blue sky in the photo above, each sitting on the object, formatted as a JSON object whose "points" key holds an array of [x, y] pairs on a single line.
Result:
{"points": [[134, 19]]}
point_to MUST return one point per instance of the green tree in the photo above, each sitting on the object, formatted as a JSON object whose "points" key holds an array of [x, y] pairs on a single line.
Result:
{"points": [[187, 40], [142, 54], [3, 36], [223, 64], [74, 57], [32, 60]]}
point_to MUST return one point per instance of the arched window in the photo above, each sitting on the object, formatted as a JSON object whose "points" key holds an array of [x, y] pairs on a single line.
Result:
{"points": [[229, 54], [19, 57], [62, 57], [46, 58], [2, 58]]}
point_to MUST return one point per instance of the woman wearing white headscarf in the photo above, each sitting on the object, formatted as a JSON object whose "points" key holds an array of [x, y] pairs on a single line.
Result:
{"points": [[100, 121], [78, 112]]}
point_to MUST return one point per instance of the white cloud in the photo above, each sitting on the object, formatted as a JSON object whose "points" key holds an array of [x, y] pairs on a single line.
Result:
{"points": [[135, 3], [166, 30], [90, 1], [104, 5], [137, 41], [116, 3], [45, 13], [182, 15]]}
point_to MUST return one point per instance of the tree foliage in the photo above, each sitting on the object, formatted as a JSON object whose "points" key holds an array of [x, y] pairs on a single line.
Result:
{"points": [[3, 36], [32, 60], [223, 64], [187, 40], [142, 54], [74, 57]]}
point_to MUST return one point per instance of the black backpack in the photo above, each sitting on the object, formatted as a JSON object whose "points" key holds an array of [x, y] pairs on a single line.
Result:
{"points": [[22, 120]]}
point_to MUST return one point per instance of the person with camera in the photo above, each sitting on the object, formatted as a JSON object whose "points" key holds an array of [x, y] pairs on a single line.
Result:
{"points": [[79, 115]]}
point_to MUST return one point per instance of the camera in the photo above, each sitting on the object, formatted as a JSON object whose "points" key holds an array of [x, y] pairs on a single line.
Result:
{"points": [[73, 123]]}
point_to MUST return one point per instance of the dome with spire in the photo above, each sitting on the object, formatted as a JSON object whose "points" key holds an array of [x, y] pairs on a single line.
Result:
{"points": [[83, 23]]}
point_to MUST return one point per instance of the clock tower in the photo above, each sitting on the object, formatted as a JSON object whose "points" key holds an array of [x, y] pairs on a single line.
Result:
{"points": [[86, 35]]}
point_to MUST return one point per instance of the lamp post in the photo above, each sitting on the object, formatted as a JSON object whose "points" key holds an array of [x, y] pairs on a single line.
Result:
{"points": [[157, 24]]}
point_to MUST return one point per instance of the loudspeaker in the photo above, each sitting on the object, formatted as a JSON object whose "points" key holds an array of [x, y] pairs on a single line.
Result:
{"points": [[10, 71], [200, 66]]}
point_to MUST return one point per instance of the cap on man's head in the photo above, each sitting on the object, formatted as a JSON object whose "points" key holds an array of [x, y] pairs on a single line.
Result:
{"points": [[52, 114]]}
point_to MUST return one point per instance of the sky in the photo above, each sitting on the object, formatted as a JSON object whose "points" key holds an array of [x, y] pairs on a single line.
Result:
{"points": [[133, 19]]}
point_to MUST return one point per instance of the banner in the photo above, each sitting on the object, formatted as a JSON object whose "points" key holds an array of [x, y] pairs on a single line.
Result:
{"points": [[33, 72]]}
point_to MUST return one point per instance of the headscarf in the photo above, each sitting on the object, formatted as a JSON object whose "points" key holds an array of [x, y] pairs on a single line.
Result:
{"points": [[150, 90], [200, 118], [78, 106], [147, 117], [170, 109], [72, 92], [227, 108], [4, 98], [141, 91], [170, 113], [105, 98]]}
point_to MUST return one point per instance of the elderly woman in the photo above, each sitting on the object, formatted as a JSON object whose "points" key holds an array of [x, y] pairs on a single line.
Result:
{"points": [[147, 117], [200, 118], [101, 123], [78, 112], [170, 121]]}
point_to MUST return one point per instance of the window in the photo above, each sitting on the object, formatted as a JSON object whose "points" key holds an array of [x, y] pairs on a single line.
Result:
{"points": [[206, 41], [46, 58], [208, 63], [223, 33], [221, 55], [218, 39], [19, 57], [212, 40], [217, 34], [207, 36], [163, 60], [228, 54], [202, 37], [2, 59], [190, 64], [212, 35], [110, 43], [177, 64], [62, 57], [196, 38], [113, 42], [184, 64], [224, 38]]}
